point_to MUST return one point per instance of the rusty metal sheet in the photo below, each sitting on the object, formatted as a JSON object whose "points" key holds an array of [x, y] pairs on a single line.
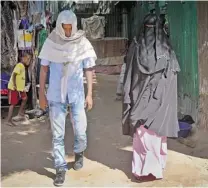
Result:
{"points": [[109, 47], [202, 15]]}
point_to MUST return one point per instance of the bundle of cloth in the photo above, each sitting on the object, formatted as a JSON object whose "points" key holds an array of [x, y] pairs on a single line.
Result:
{"points": [[94, 27], [150, 98]]}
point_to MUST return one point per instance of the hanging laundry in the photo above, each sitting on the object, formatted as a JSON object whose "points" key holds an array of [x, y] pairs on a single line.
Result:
{"points": [[43, 19], [48, 16], [15, 28], [24, 39], [43, 34], [24, 35], [36, 18], [17, 10], [8, 55], [104, 7], [24, 23], [94, 26], [23, 7], [36, 9]]}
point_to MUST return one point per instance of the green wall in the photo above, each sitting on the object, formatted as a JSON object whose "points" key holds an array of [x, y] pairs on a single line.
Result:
{"points": [[182, 19]]}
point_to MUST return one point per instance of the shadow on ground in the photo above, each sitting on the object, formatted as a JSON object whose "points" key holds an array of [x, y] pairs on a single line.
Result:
{"points": [[28, 147], [25, 147]]}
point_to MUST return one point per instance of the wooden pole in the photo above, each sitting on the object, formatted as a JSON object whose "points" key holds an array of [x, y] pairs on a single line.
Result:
{"points": [[33, 73]]}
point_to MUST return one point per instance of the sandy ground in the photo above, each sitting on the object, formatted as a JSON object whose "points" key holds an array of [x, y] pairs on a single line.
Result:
{"points": [[26, 152]]}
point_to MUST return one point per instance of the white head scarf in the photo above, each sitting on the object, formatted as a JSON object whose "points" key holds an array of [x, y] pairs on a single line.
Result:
{"points": [[66, 17], [61, 49], [70, 51]]}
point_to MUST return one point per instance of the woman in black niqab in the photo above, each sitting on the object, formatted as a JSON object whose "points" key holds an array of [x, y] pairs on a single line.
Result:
{"points": [[150, 97]]}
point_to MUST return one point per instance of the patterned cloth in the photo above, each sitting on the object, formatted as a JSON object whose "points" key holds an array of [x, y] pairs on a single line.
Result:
{"points": [[8, 54], [94, 27], [42, 35], [36, 7], [75, 84], [23, 7]]}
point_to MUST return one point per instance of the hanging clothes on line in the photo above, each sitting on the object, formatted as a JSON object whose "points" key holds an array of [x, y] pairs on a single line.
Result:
{"points": [[94, 27], [24, 35], [42, 36], [24, 24], [24, 39], [36, 7], [23, 8], [15, 29], [8, 54], [36, 11]]}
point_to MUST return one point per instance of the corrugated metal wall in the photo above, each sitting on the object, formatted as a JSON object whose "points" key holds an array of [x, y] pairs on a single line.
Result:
{"points": [[113, 23], [182, 19], [202, 14], [136, 16]]}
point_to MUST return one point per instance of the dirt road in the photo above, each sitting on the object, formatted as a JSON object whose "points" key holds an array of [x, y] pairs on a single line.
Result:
{"points": [[27, 162]]}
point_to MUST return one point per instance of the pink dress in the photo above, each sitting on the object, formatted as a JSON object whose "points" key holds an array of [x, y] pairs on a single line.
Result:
{"points": [[149, 154]]}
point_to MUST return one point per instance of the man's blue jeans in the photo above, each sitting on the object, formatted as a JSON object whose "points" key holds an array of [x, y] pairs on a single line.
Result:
{"points": [[58, 112]]}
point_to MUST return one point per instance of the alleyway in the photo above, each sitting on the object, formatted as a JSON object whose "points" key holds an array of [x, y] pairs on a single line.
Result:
{"points": [[26, 152]]}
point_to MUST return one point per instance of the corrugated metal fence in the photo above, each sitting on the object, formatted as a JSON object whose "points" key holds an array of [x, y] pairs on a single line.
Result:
{"points": [[183, 35], [136, 16], [202, 14]]}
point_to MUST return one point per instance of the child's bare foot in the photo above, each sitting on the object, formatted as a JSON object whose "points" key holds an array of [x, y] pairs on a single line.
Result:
{"points": [[19, 118], [11, 124]]}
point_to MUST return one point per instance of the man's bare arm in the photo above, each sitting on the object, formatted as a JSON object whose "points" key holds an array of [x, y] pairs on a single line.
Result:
{"points": [[43, 75], [89, 77], [42, 81]]}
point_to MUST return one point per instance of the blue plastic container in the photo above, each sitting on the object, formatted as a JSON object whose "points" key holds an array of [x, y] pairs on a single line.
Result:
{"points": [[185, 129], [4, 80]]}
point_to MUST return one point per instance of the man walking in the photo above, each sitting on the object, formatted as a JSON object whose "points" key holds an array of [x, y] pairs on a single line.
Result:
{"points": [[67, 53]]}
